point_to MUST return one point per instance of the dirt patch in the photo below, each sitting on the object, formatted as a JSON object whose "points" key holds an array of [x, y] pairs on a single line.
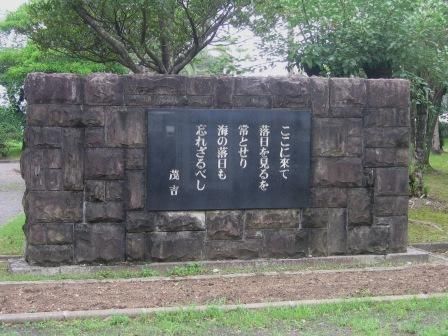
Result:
{"points": [[417, 203], [136, 294]]}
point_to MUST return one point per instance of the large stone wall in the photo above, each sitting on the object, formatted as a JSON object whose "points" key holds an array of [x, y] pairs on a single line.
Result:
{"points": [[84, 167]]}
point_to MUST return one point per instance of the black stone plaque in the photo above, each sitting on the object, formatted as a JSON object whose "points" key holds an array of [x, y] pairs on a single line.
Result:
{"points": [[228, 159]]}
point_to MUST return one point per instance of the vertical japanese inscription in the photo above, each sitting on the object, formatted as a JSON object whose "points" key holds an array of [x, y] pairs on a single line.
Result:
{"points": [[285, 156], [201, 148], [223, 151], [243, 150], [264, 157]]}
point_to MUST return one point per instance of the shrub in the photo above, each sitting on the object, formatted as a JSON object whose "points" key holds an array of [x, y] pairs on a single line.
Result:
{"points": [[11, 128]]}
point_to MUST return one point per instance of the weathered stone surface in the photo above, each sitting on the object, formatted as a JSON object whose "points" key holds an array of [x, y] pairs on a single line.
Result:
{"points": [[53, 158], [43, 88], [93, 116], [200, 101], [395, 137], [95, 191], [346, 92], [53, 206], [125, 128], [337, 172], [48, 255], [368, 239], [98, 243], [391, 205], [386, 92], [201, 86], [224, 92], [104, 212], [105, 163], [136, 190], [139, 221], [50, 233], [73, 158], [320, 96], [389, 221], [252, 86], [328, 197], [43, 137], [317, 242], [137, 247], [386, 117], [181, 221], [391, 181], [283, 243], [55, 115], [322, 217], [224, 224], [337, 137], [272, 219], [103, 89], [177, 246], [291, 87], [33, 169], [359, 206], [386, 157], [289, 102], [252, 101], [335, 239], [53, 179], [230, 249], [398, 233], [114, 190], [155, 85], [135, 158], [94, 137]]}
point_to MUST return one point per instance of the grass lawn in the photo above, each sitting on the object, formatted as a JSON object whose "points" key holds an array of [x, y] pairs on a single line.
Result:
{"points": [[14, 150], [408, 317], [12, 239], [425, 223]]}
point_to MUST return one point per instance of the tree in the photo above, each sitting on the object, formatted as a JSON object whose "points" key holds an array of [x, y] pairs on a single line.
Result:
{"points": [[160, 36]]}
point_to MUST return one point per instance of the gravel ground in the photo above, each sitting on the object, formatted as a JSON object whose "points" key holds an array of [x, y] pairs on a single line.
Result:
{"points": [[21, 298], [12, 187]]}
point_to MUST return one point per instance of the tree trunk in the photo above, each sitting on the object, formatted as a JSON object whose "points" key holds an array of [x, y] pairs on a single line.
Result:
{"points": [[417, 185], [436, 139]]}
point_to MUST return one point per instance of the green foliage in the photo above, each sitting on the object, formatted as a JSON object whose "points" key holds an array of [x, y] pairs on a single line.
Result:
{"points": [[11, 129], [12, 239], [189, 269]]}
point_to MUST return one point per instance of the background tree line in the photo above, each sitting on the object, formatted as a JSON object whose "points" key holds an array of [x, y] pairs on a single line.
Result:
{"points": [[339, 38]]}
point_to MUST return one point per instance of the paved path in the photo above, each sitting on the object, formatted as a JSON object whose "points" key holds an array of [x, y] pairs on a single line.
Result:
{"points": [[12, 187]]}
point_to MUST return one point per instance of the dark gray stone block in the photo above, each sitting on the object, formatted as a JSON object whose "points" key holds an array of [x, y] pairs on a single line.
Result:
{"points": [[104, 163], [320, 96], [53, 206], [177, 246], [145, 85], [337, 172], [283, 243], [386, 157], [224, 92], [43, 88], [73, 159], [94, 137], [104, 212], [347, 92], [33, 169], [136, 190], [103, 89], [43, 137], [53, 179], [114, 190], [253, 101], [53, 157], [139, 221], [392, 137], [368, 239], [272, 219], [95, 190], [322, 217], [137, 247], [359, 206], [328, 197], [386, 93], [230, 249], [398, 233], [224, 224], [55, 115], [201, 86], [386, 117], [50, 233], [317, 242], [135, 158], [391, 205], [49, 255], [200, 101], [181, 221], [125, 128], [391, 181], [252, 86]]}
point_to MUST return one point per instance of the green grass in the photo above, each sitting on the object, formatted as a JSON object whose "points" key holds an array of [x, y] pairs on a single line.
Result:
{"points": [[12, 239], [407, 317], [14, 150], [189, 269]]}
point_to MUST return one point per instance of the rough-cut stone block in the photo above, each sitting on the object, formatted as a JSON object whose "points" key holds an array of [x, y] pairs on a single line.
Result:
{"points": [[391, 205], [346, 112], [139, 221], [328, 197], [317, 242], [36, 234], [251, 86], [391, 181], [386, 157], [347, 92], [221, 250], [94, 137], [338, 172], [336, 238], [389, 221], [200, 101], [201, 86], [53, 158], [33, 169], [387, 92], [398, 233], [369, 177], [43, 137], [53, 88], [283, 244], [73, 158], [47, 255], [396, 137], [53, 206], [337, 137], [272, 219], [104, 163], [155, 85], [224, 92], [386, 117], [252, 101], [50, 234], [103, 89], [322, 217], [93, 116], [136, 190], [98, 243], [177, 246], [137, 247], [114, 190], [320, 96], [359, 206], [181, 221], [135, 158], [104, 212], [55, 115], [368, 239], [95, 191], [53, 179], [224, 224], [125, 128], [291, 86]]}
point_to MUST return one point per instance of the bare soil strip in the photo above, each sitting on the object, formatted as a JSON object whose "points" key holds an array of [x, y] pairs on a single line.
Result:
{"points": [[29, 298]]}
